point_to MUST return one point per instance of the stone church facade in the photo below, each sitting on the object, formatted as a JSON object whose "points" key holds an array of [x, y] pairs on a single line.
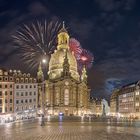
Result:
{"points": [[66, 91]]}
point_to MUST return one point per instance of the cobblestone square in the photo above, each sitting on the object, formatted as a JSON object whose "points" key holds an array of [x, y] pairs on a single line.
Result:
{"points": [[68, 131]]}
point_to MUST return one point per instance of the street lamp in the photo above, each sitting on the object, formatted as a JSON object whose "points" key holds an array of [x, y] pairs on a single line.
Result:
{"points": [[44, 61]]}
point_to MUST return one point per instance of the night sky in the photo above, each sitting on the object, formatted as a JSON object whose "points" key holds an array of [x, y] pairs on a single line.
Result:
{"points": [[110, 29]]}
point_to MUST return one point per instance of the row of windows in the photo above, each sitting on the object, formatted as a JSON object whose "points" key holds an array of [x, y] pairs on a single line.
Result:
{"points": [[25, 108], [25, 86], [25, 94], [22, 80], [6, 86], [6, 101], [10, 101], [137, 93], [6, 93], [6, 78], [126, 100], [6, 109], [137, 104], [25, 101]]}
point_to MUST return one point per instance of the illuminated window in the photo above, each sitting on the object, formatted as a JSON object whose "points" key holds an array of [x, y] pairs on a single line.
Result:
{"points": [[124, 95], [30, 80], [22, 80], [137, 104], [26, 80], [66, 97], [57, 97], [137, 92], [1, 72]]}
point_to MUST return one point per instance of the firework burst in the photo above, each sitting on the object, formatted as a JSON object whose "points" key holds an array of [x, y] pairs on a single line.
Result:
{"points": [[36, 41], [75, 47], [86, 58]]}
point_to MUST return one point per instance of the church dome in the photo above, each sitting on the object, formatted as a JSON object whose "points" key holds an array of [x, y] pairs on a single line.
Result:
{"points": [[56, 64], [57, 58]]}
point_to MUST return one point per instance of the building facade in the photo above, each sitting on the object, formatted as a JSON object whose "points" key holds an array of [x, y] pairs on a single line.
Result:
{"points": [[114, 103], [6, 95], [66, 90], [25, 99], [126, 101], [129, 100]]}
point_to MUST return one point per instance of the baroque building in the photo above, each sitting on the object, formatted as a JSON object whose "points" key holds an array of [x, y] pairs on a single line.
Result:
{"points": [[66, 90], [25, 94]]}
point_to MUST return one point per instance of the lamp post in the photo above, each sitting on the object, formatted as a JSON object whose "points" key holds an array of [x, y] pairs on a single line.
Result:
{"points": [[43, 84]]}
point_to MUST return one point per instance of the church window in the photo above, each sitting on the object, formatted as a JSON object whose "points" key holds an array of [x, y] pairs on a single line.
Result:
{"points": [[57, 97], [66, 97]]}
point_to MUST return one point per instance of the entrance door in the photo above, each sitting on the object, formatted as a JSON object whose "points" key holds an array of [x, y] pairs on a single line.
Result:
{"points": [[66, 112]]}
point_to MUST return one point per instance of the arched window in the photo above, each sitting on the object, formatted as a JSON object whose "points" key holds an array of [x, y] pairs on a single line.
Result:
{"points": [[66, 97]]}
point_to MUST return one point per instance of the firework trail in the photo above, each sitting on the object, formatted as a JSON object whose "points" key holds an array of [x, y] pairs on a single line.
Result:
{"points": [[36, 41]]}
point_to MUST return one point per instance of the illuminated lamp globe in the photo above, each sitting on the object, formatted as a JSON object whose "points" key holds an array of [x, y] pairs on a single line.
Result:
{"points": [[44, 61]]}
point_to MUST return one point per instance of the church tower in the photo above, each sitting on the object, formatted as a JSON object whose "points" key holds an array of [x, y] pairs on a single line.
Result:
{"points": [[66, 66], [63, 38], [84, 75]]}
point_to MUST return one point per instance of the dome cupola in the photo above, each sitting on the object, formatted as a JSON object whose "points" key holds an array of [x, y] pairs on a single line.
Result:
{"points": [[63, 38]]}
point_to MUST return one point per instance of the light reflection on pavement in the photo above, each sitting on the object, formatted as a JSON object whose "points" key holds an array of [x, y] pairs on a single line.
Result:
{"points": [[31, 130]]}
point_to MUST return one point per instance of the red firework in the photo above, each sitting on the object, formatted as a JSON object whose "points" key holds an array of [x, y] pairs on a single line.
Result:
{"points": [[75, 47], [86, 58]]}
